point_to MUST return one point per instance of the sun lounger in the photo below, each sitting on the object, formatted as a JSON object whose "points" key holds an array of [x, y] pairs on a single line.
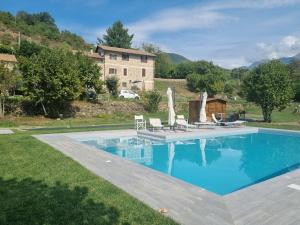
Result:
{"points": [[181, 123], [236, 123], [155, 123]]}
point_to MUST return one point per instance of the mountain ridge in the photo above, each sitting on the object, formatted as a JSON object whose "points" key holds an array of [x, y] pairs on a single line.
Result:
{"points": [[284, 60]]}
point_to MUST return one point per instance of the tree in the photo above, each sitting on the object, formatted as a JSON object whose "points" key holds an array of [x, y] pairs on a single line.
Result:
{"points": [[8, 80], [294, 67], [28, 49], [153, 98], [51, 79], [89, 73], [112, 84], [117, 36], [269, 86], [163, 64]]}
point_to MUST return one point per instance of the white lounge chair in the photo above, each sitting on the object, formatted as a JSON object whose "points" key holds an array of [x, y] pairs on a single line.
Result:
{"points": [[155, 123], [139, 122], [236, 123], [181, 123]]}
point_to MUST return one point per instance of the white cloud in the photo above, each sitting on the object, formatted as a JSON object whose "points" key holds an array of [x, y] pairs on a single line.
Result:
{"points": [[248, 4], [286, 47], [176, 19]]}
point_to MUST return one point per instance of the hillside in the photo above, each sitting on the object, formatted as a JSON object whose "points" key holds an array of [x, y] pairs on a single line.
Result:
{"points": [[284, 60], [176, 58], [37, 27]]}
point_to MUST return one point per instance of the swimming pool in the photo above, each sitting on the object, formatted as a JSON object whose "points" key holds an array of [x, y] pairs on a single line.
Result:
{"points": [[220, 164]]}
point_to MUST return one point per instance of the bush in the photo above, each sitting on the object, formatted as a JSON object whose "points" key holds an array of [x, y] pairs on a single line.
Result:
{"points": [[112, 84], [153, 98], [297, 92]]}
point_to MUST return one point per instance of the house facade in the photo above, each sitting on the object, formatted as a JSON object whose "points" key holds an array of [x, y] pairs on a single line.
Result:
{"points": [[9, 60], [133, 68]]}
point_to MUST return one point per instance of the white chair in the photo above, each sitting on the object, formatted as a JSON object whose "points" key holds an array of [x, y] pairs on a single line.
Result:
{"points": [[182, 123], [139, 122], [155, 123]]}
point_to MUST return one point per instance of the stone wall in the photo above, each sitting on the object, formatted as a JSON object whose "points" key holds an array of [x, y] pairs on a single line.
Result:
{"points": [[86, 109]]}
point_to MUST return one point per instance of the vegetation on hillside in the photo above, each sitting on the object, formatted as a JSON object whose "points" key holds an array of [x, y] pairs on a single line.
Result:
{"points": [[38, 27], [176, 58]]}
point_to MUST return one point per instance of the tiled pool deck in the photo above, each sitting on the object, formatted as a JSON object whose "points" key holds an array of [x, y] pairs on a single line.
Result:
{"points": [[270, 202], [6, 131]]}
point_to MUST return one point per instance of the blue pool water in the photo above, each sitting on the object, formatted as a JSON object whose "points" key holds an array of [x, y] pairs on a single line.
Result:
{"points": [[221, 165]]}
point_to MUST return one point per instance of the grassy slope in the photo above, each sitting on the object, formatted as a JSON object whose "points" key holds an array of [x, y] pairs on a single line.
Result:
{"points": [[40, 185]]}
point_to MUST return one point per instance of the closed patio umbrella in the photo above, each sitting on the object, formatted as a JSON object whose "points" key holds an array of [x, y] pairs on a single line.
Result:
{"points": [[202, 114], [171, 117]]}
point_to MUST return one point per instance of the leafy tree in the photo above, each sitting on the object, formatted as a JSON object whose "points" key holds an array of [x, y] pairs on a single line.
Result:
{"points": [[239, 74], [209, 78], [27, 49], [163, 64], [6, 49], [112, 84], [51, 79], [153, 98], [89, 73], [117, 36], [269, 86], [8, 80], [295, 77]]}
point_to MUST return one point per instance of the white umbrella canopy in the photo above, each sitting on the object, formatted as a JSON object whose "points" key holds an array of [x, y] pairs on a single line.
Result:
{"points": [[171, 117], [202, 114]]}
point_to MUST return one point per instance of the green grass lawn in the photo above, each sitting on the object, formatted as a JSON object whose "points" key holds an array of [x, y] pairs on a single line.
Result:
{"points": [[39, 185]]}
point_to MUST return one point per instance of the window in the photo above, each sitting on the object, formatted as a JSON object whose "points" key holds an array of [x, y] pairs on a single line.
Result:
{"points": [[124, 84], [125, 71], [112, 71], [143, 72], [125, 56], [144, 58], [113, 56]]}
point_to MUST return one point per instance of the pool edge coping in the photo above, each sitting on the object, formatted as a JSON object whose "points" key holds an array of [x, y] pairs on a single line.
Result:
{"points": [[224, 200]]}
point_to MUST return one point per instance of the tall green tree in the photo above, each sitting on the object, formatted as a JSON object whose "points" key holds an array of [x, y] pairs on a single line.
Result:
{"points": [[89, 73], [269, 85], [28, 48], [294, 67], [163, 64], [8, 80], [117, 36], [51, 79]]}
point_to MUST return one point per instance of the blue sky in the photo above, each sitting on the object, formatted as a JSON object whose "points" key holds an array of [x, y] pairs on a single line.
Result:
{"points": [[230, 33]]}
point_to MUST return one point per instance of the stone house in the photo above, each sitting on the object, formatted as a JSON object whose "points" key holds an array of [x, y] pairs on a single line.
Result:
{"points": [[133, 68], [9, 60]]}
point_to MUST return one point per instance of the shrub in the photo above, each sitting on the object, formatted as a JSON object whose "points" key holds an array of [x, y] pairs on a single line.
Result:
{"points": [[112, 84], [153, 98]]}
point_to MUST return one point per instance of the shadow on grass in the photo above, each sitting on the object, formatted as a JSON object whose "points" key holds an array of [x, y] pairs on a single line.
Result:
{"points": [[33, 202]]}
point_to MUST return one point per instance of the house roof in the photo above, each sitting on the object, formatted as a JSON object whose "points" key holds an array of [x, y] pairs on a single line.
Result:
{"points": [[210, 100], [7, 58], [93, 55], [124, 50]]}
